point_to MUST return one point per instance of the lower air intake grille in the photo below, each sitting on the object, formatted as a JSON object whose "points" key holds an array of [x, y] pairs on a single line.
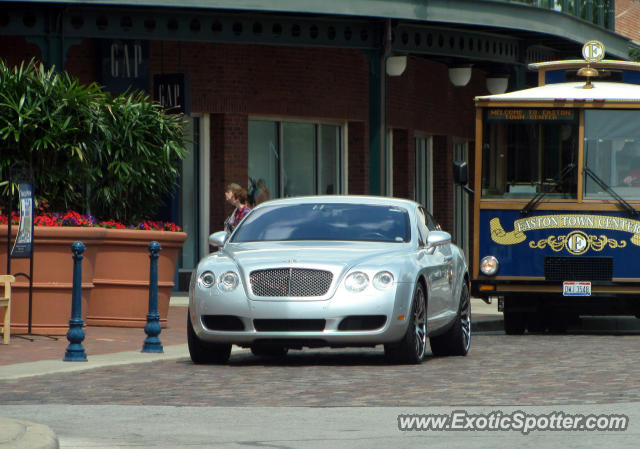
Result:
{"points": [[362, 323], [284, 325], [222, 323], [578, 268], [290, 282]]}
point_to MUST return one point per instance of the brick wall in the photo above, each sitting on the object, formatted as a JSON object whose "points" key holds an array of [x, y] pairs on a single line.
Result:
{"points": [[423, 99], [234, 82], [358, 158], [241, 81], [403, 163], [229, 161], [628, 18], [443, 181], [82, 61], [14, 50]]}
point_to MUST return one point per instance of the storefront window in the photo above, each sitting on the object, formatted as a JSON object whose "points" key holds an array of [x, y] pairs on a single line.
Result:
{"points": [[298, 154], [424, 172], [294, 158], [264, 158], [328, 161]]}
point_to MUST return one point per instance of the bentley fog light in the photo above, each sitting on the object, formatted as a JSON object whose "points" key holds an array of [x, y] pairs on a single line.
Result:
{"points": [[228, 281], [383, 280], [356, 282], [489, 265], [207, 279]]}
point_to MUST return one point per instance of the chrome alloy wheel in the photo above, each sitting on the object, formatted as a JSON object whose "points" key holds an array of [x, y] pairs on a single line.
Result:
{"points": [[420, 323], [465, 319]]}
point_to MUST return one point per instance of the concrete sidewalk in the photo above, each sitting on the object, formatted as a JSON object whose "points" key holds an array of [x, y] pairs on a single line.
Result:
{"points": [[36, 355]]}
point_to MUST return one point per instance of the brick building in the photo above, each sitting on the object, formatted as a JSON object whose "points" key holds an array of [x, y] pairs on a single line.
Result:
{"points": [[298, 94], [628, 18]]}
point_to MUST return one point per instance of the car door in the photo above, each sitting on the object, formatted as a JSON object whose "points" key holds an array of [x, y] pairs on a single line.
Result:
{"points": [[436, 265]]}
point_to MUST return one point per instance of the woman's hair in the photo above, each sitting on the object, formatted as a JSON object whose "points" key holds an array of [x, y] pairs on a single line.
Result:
{"points": [[240, 194], [232, 187]]}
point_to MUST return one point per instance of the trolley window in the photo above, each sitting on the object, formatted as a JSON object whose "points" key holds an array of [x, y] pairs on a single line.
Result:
{"points": [[526, 151], [612, 153]]}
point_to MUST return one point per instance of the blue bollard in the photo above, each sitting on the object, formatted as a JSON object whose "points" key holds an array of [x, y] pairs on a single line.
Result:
{"points": [[152, 343], [75, 351]]}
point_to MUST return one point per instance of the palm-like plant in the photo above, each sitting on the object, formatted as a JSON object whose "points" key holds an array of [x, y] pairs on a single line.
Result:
{"points": [[115, 157], [141, 150], [45, 124]]}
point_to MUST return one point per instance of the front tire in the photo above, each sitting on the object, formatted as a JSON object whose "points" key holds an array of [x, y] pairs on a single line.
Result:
{"points": [[411, 348], [204, 352], [457, 340]]}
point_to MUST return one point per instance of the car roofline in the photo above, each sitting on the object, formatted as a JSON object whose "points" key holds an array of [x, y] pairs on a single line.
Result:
{"points": [[344, 199]]}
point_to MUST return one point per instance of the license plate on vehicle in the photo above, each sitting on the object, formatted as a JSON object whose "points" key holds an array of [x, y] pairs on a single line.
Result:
{"points": [[576, 288]]}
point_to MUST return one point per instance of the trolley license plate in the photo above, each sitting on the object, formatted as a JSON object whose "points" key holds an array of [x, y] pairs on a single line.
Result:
{"points": [[575, 288]]}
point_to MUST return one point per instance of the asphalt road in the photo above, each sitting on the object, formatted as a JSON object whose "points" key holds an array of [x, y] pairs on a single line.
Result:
{"points": [[342, 398]]}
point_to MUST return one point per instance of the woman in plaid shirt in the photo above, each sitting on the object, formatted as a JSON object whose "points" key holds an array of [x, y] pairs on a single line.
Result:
{"points": [[238, 197]]}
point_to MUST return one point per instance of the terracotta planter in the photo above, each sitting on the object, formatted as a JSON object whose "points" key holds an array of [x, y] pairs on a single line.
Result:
{"points": [[52, 277], [121, 278]]}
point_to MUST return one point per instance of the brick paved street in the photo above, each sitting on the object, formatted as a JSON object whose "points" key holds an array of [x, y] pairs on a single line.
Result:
{"points": [[500, 370]]}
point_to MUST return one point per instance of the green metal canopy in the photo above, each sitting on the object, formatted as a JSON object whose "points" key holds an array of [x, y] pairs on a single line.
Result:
{"points": [[556, 26]]}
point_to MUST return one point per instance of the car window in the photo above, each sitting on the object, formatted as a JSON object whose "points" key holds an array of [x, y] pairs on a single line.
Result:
{"points": [[432, 224], [423, 230], [325, 221]]}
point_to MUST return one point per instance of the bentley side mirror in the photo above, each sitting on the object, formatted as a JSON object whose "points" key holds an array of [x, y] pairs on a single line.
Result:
{"points": [[218, 239], [437, 238]]}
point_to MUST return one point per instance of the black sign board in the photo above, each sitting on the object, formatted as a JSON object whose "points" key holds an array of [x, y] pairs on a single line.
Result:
{"points": [[524, 114], [173, 92], [125, 65], [23, 244]]}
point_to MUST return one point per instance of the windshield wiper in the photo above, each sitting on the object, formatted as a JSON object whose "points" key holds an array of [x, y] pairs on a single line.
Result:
{"points": [[538, 196], [603, 185]]}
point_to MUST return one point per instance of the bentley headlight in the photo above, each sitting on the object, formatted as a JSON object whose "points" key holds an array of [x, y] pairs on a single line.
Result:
{"points": [[207, 279], [489, 265], [383, 280], [356, 281], [228, 281]]}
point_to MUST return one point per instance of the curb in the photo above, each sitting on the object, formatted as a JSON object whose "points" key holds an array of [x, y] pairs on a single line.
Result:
{"points": [[18, 434]]}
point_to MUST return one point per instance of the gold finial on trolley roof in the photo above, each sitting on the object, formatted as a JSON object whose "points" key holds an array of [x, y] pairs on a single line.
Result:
{"points": [[592, 51]]}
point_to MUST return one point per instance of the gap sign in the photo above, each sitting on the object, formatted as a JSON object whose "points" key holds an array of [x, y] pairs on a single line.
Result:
{"points": [[125, 65], [172, 91]]}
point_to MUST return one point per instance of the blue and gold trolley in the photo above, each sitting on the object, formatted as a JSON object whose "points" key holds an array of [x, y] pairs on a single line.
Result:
{"points": [[557, 194]]}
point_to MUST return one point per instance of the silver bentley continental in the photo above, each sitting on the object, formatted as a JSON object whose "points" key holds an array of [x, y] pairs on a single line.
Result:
{"points": [[331, 271]]}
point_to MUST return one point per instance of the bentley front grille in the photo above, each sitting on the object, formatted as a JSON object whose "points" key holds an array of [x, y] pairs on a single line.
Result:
{"points": [[287, 282]]}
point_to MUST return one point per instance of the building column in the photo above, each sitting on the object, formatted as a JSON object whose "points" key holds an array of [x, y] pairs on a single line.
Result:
{"points": [[376, 121], [229, 162], [403, 164], [443, 181], [358, 159]]}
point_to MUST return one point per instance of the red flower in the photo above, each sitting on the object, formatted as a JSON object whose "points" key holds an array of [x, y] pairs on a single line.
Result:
{"points": [[72, 218]]}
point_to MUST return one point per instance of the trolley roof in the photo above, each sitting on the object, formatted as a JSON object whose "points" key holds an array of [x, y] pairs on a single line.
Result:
{"points": [[600, 91]]}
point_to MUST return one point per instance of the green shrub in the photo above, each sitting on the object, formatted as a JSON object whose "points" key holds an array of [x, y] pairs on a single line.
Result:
{"points": [[113, 157], [45, 128], [141, 148]]}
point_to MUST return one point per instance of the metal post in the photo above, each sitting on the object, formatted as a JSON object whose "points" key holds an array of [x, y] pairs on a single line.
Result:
{"points": [[152, 343], [588, 16], [75, 335], [611, 15]]}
